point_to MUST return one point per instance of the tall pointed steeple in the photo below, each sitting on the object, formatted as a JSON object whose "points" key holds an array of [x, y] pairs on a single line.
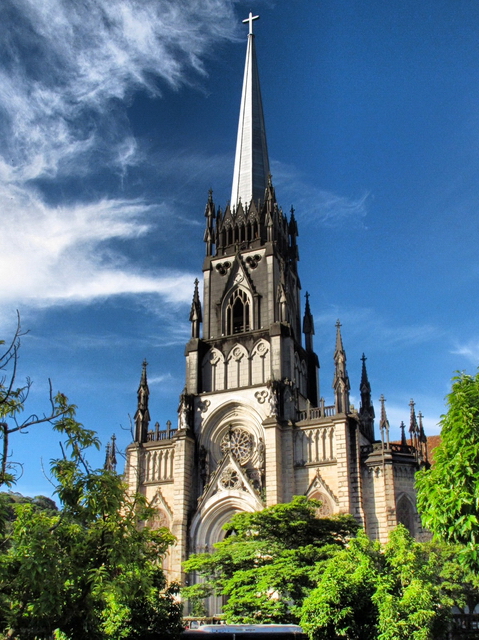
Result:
{"points": [[142, 415], [341, 384], [251, 169]]}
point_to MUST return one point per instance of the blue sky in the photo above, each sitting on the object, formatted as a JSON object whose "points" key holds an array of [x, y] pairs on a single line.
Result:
{"points": [[117, 116]]}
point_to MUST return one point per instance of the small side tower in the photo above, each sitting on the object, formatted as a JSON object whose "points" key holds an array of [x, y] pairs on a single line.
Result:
{"points": [[142, 415], [312, 358], [366, 411], [341, 383]]}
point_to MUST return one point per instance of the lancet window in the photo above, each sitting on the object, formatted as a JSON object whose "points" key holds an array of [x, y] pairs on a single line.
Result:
{"points": [[238, 312]]}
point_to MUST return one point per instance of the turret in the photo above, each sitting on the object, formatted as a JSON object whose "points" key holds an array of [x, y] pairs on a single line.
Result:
{"points": [[422, 439], [195, 313], [366, 411], [209, 236], [341, 384], [308, 325], [413, 427], [384, 423], [110, 455], [142, 415], [312, 358]]}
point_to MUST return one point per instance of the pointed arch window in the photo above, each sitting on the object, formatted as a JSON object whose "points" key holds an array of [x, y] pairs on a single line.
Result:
{"points": [[238, 312]]}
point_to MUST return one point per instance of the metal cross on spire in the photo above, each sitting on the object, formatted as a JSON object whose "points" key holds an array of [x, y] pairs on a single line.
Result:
{"points": [[250, 19]]}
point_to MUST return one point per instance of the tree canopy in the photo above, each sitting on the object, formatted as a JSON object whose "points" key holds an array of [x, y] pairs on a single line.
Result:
{"points": [[90, 570], [369, 592], [267, 562], [448, 493]]}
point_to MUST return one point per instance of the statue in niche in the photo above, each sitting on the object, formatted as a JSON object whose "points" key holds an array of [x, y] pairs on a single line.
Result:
{"points": [[273, 398], [261, 449], [184, 411], [204, 465]]}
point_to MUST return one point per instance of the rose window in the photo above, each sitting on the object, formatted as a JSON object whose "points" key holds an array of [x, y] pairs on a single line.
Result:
{"points": [[230, 479], [239, 442]]}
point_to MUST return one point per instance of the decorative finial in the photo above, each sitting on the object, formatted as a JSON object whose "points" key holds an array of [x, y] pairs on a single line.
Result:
{"points": [[384, 422], [382, 399], [338, 324], [250, 19], [403, 435]]}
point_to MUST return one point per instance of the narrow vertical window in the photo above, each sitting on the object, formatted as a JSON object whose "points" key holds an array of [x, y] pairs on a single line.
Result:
{"points": [[237, 313]]}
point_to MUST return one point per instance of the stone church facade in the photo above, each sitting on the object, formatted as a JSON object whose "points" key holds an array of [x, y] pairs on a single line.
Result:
{"points": [[252, 428]]}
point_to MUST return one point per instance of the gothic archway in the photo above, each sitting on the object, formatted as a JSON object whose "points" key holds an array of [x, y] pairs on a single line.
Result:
{"points": [[405, 513]]}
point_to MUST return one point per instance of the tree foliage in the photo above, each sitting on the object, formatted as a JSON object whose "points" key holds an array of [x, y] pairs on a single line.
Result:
{"points": [[90, 570], [12, 406], [369, 592], [268, 560], [448, 493], [342, 606]]}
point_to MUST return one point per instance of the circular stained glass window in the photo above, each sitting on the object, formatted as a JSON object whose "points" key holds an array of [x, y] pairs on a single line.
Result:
{"points": [[239, 442]]}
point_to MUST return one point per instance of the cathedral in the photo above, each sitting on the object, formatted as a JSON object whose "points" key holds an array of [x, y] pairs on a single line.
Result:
{"points": [[252, 428]]}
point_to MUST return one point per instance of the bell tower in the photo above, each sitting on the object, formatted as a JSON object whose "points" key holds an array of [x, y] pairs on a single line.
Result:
{"points": [[248, 375], [251, 283]]}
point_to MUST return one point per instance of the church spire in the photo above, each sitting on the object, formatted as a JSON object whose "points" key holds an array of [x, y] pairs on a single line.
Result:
{"points": [[366, 411], [308, 325], [110, 455], [142, 415], [251, 169], [341, 384]]}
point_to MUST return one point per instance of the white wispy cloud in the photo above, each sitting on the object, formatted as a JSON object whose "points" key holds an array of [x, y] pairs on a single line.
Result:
{"points": [[316, 204], [372, 326], [68, 64], [469, 350], [60, 255], [66, 71]]}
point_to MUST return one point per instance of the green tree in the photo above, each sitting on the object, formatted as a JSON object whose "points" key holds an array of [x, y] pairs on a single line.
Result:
{"points": [[411, 602], [342, 605], [448, 492], [89, 570], [267, 562], [369, 592], [12, 405]]}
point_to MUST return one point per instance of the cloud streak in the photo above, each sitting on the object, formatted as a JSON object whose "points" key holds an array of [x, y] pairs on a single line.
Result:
{"points": [[375, 329], [88, 57], [329, 209], [469, 350], [61, 255], [67, 69]]}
